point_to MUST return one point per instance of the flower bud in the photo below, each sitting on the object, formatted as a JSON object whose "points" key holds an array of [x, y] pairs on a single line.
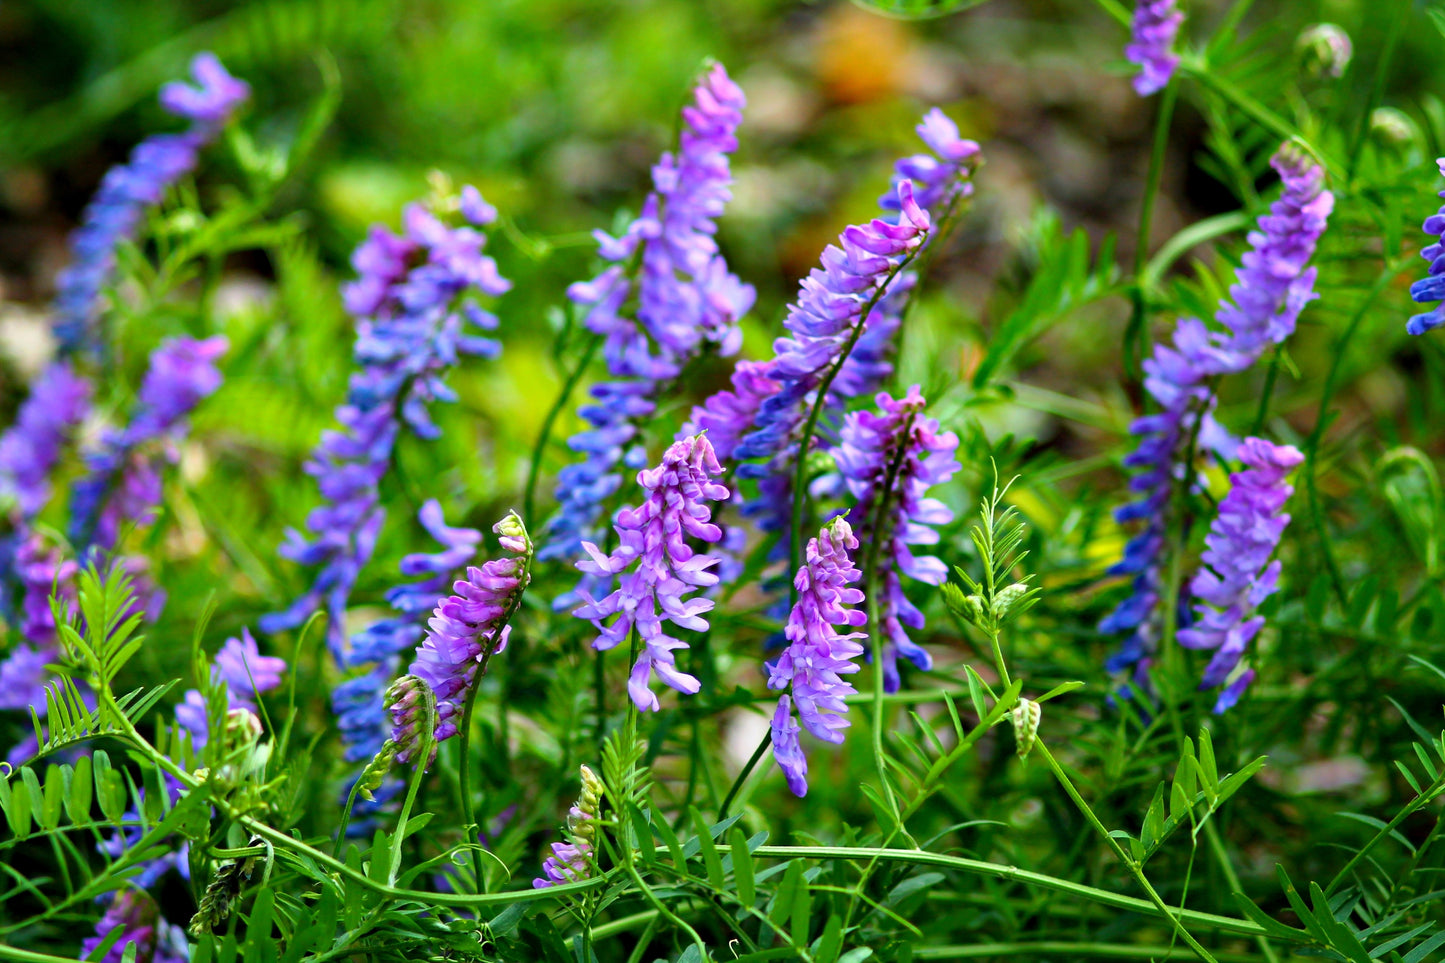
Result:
{"points": [[1392, 127], [1026, 717], [1006, 598], [1325, 50]]}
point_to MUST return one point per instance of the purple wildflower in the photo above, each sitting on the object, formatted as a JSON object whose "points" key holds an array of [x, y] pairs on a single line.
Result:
{"points": [[1272, 287], [572, 859], [654, 536], [133, 912], [123, 482], [29, 450], [467, 628], [358, 701], [824, 321], [244, 672], [114, 214], [414, 300], [1432, 286], [894, 456], [1156, 24], [818, 655], [685, 297], [1239, 574], [40, 570]]}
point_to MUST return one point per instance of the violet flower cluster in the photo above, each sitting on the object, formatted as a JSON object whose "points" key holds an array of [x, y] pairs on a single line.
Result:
{"points": [[889, 459], [818, 655], [358, 701], [572, 859], [467, 628], [1239, 575], [1156, 25], [826, 349], [30, 449], [414, 303], [114, 214], [244, 672], [136, 915], [122, 482], [41, 570], [685, 297], [1272, 287], [1432, 286], [653, 538]]}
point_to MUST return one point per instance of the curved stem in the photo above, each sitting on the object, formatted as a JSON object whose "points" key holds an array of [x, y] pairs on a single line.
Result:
{"points": [[464, 770], [743, 776]]}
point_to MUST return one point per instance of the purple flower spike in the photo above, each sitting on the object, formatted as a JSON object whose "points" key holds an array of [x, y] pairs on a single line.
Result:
{"points": [[416, 310], [29, 450], [469, 626], [413, 718], [1239, 574], [1156, 24], [572, 859], [1272, 287], [818, 655], [900, 444], [654, 535], [1432, 286], [686, 297], [114, 214]]}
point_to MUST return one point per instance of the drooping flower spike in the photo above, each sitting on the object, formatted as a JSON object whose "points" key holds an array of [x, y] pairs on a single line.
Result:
{"points": [[1272, 287], [1432, 286], [470, 626], [656, 568], [114, 214], [357, 702], [1156, 25], [685, 297], [572, 859], [866, 272], [890, 458], [415, 302], [818, 655], [1237, 574]]}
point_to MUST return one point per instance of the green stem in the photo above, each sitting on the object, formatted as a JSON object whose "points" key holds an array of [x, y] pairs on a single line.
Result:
{"points": [[1136, 334], [418, 774], [975, 867], [469, 819], [534, 469], [1414, 805], [1172, 915], [743, 776]]}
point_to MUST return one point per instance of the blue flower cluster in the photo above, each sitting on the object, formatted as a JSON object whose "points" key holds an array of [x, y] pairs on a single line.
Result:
{"points": [[414, 303], [128, 189], [1272, 287], [685, 297]]}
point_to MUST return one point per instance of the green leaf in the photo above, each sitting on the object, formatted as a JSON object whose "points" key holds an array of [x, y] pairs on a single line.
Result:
{"points": [[742, 866], [709, 851], [669, 838], [643, 831], [783, 899], [802, 910], [828, 945]]}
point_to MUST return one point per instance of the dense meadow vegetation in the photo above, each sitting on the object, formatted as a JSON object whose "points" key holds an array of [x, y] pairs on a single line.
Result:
{"points": [[586, 480]]}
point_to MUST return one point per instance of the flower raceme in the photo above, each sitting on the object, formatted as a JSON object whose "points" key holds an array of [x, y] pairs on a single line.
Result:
{"points": [[656, 568], [818, 655], [1272, 287], [889, 459], [843, 326], [667, 262], [572, 859], [1156, 25], [114, 214], [416, 310], [1432, 286], [1238, 575], [469, 626]]}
